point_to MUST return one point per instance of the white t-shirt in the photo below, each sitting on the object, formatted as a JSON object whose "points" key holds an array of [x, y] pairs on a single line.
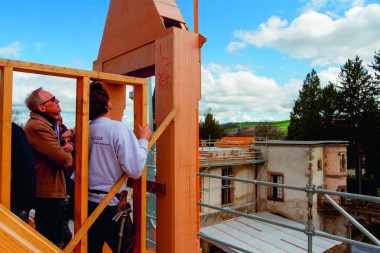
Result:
{"points": [[113, 150]]}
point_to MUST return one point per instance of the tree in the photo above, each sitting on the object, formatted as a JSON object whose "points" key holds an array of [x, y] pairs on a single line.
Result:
{"points": [[305, 119], [348, 110], [371, 122], [376, 66], [359, 114], [267, 130], [328, 112], [210, 128]]}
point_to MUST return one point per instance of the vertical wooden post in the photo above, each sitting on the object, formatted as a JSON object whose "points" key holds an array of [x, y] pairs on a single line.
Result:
{"points": [[139, 186], [6, 79], [81, 158], [177, 83]]}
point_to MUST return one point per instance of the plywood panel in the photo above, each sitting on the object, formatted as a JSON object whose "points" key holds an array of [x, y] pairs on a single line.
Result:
{"points": [[139, 58], [130, 24], [177, 83], [169, 9]]}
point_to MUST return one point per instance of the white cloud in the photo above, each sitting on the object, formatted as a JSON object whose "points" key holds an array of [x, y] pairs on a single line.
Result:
{"points": [[240, 95], [316, 5], [234, 46], [233, 95], [12, 50], [237, 96], [318, 37], [62, 88], [328, 75]]}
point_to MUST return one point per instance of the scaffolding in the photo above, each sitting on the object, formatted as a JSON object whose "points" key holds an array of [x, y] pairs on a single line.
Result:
{"points": [[308, 229]]}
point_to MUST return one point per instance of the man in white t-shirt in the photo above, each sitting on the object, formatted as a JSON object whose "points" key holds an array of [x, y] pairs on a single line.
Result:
{"points": [[113, 151]]}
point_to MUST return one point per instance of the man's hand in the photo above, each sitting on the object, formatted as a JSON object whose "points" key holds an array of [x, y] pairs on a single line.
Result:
{"points": [[68, 148], [145, 132]]}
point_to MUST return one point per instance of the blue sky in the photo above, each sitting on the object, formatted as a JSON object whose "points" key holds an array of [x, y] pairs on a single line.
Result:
{"points": [[255, 59]]}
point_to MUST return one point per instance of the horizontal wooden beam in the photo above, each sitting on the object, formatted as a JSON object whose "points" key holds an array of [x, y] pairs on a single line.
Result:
{"points": [[151, 186], [51, 70]]}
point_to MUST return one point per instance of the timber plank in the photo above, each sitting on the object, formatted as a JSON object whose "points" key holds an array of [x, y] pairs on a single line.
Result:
{"points": [[17, 236], [6, 78], [51, 70]]}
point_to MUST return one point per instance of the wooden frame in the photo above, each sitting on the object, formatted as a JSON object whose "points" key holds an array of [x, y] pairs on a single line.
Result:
{"points": [[136, 41], [83, 77]]}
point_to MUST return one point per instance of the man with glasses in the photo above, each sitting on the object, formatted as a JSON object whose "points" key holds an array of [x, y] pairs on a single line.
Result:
{"points": [[50, 161]]}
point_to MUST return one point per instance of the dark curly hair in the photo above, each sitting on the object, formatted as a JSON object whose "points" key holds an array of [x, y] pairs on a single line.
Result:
{"points": [[98, 100]]}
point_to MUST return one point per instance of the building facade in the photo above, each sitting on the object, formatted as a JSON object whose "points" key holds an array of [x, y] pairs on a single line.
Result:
{"points": [[284, 162], [288, 163]]}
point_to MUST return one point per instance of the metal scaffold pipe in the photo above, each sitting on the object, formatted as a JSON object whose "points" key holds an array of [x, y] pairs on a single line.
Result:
{"points": [[352, 220], [309, 229]]}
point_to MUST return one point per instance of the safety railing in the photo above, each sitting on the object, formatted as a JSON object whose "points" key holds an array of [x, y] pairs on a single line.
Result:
{"points": [[309, 230]]}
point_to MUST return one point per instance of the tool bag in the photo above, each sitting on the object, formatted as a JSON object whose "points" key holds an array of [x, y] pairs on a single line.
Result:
{"points": [[126, 235]]}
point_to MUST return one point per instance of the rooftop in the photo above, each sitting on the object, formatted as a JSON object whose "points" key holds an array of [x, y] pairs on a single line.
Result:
{"points": [[291, 142]]}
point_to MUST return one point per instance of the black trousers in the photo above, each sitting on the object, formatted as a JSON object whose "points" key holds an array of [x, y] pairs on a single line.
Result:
{"points": [[105, 230], [49, 219]]}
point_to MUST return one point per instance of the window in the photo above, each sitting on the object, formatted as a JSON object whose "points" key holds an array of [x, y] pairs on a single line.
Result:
{"points": [[227, 186], [342, 200], [276, 193], [319, 164], [343, 162]]}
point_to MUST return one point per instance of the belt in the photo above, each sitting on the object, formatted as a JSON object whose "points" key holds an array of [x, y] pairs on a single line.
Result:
{"points": [[117, 195]]}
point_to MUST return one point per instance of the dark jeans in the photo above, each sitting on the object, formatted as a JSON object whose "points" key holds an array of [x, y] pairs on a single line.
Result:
{"points": [[106, 230], [49, 219]]}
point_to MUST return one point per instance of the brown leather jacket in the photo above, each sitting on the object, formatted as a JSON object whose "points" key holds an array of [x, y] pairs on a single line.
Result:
{"points": [[50, 160]]}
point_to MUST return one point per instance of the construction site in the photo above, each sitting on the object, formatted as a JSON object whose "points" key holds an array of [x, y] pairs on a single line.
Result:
{"points": [[235, 194]]}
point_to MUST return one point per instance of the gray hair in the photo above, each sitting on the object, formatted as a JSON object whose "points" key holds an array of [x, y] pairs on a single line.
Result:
{"points": [[33, 99]]}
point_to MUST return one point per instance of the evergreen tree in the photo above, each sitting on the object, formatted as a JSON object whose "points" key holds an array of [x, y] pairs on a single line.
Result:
{"points": [[305, 119], [348, 110], [210, 128], [359, 115], [370, 126], [328, 111], [371, 122], [376, 66]]}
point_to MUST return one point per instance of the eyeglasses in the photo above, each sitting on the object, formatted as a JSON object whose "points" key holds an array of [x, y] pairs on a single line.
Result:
{"points": [[51, 99]]}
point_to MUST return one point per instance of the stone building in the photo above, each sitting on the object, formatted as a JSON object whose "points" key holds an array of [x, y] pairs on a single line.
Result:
{"points": [[287, 163], [283, 162]]}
